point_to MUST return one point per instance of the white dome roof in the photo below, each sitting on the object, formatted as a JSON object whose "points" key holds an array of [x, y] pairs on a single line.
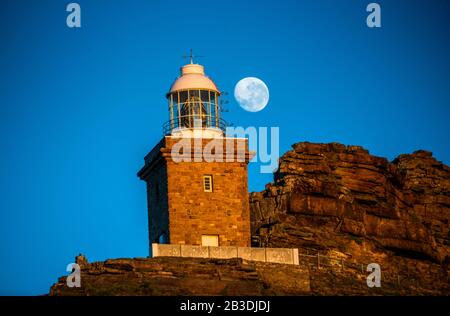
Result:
{"points": [[193, 77]]}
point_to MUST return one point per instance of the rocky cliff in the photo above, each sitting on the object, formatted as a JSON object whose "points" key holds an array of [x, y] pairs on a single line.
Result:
{"points": [[231, 277], [343, 203], [185, 276]]}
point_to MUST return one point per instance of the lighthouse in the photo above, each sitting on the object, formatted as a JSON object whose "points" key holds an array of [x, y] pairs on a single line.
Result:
{"points": [[196, 176]]}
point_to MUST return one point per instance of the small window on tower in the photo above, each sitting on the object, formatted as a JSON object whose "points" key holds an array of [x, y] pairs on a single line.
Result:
{"points": [[207, 183]]}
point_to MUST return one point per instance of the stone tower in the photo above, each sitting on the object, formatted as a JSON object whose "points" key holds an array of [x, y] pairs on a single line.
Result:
{"points": [[196, 176]]}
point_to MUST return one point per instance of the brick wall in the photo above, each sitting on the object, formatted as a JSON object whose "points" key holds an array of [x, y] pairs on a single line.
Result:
{"points": [[181, 203], [157, 201]]}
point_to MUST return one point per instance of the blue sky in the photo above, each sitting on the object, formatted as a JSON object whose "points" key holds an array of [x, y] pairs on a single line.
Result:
{"points": [[80, 108]]}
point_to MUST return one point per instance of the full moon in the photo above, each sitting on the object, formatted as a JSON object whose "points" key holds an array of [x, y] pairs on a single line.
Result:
{"points": [[252, 94]]}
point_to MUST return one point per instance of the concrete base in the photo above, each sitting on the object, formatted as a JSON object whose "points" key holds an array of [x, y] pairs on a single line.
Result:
{"points": [[274, 255]]}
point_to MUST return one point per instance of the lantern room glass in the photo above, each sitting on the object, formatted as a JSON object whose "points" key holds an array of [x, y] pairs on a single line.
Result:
{"points": [[188, 107]]}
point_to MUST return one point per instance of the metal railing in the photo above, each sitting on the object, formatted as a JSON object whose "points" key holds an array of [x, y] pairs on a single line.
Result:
{"points": [[205, 122]]}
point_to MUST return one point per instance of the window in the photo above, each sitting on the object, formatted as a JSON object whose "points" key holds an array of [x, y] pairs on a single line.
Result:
{"points": [[207, 183], [204, 95], [210, 240]]}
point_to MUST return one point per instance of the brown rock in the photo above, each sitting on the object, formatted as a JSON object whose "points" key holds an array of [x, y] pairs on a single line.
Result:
{"points": [[187, 276], [342, 194]]}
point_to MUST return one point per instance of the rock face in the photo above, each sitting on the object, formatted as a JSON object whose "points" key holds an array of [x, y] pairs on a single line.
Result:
{"points": [[335, 198], [185, 276], [403, 205]]}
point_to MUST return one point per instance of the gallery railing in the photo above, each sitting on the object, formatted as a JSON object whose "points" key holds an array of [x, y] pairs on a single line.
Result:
{"points": [[191, 121]]}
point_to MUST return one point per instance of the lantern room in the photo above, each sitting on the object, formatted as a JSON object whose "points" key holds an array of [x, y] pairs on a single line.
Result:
{"points": [[193, 101]]}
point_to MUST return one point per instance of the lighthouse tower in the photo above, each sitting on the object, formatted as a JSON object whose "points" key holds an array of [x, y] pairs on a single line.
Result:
{"points": [[196, 177]]}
